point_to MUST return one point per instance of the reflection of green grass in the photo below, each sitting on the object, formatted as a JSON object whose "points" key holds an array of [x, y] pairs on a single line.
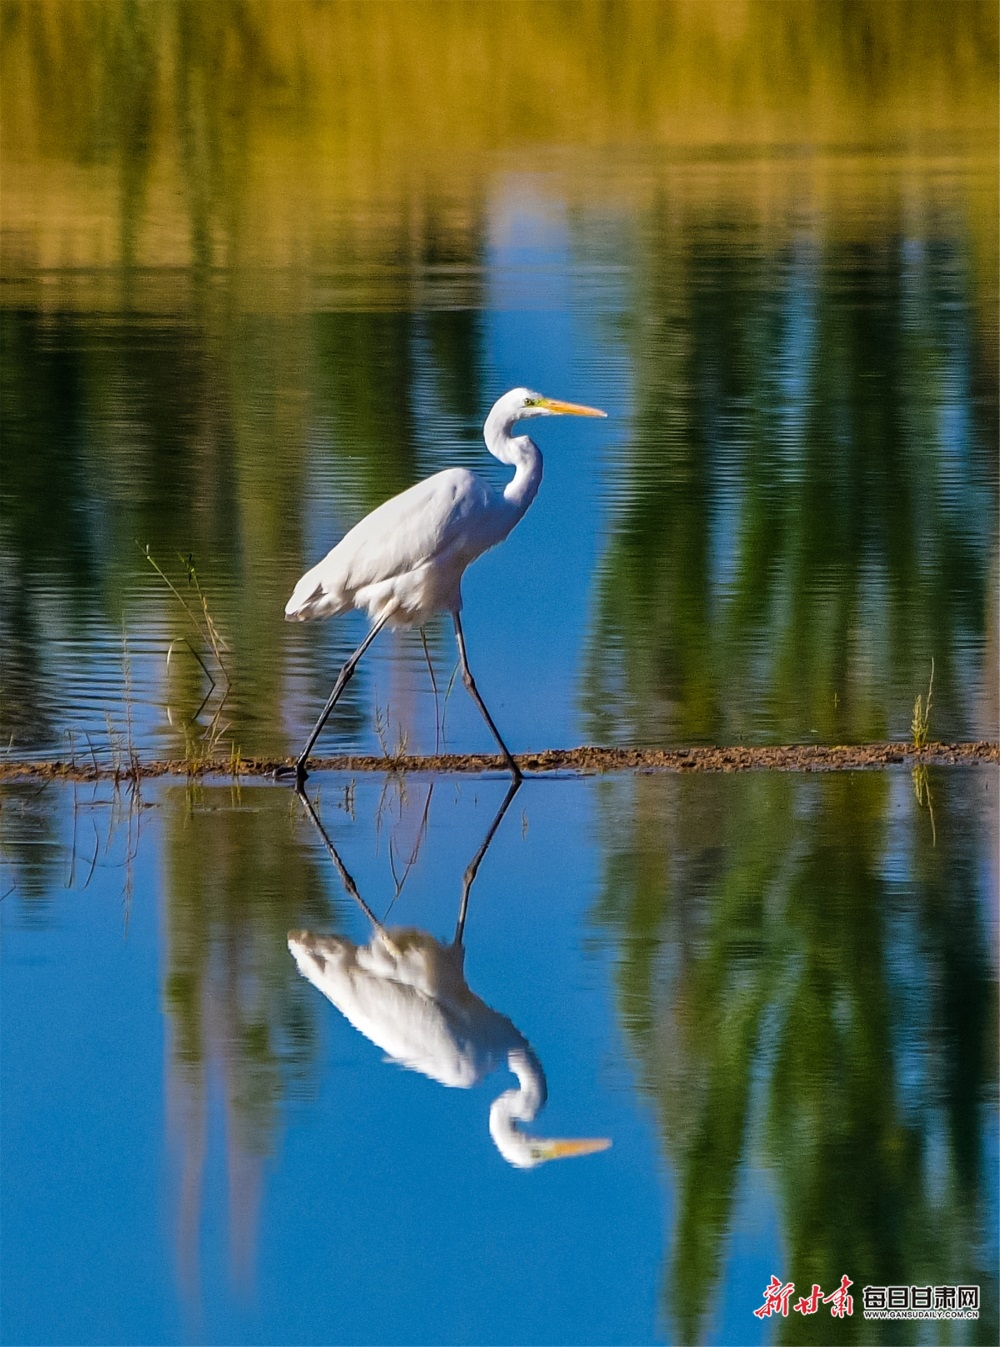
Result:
{"points": [[777, 1024], [236, 882], [761, 582], [236, 879], [922, 793], [200, 138]]}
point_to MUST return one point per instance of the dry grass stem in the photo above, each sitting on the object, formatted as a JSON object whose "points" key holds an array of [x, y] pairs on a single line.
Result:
{"points": [[921, 723]]}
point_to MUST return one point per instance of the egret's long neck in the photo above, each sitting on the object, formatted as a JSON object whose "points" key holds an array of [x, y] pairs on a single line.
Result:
{"points": [[519, 1105], [520, 451]]}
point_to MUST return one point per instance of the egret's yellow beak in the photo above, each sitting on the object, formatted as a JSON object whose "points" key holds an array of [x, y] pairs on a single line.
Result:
{"points": [[561, 1150], [568, 408]]}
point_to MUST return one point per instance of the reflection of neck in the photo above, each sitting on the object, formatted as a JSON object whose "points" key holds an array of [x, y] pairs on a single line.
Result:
{"points": [[519, 1105]]}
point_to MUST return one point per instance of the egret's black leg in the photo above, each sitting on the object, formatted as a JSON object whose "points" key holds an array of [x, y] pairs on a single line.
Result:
{"points": [[345, 875], [343, 678], [434, 689], [472, 869], [473, 691]]}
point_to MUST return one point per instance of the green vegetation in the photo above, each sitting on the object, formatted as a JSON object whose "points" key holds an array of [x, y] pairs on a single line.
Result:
{"points": [[921, 722], [776, 1022], [792, 535]]}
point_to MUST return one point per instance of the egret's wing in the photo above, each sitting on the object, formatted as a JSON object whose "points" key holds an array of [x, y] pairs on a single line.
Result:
{"points": [[456, 1039], [447, 515], [433, 517]]}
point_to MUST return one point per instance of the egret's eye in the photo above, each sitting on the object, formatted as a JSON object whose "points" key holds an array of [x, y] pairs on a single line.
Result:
{"points": [[531, 402]]}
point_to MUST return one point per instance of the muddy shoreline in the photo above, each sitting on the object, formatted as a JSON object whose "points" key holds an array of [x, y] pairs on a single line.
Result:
{"points": [[581, 761]]}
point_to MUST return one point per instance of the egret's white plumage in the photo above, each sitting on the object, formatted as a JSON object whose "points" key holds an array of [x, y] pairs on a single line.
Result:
{"points": [[404, 562], [407, 993]]}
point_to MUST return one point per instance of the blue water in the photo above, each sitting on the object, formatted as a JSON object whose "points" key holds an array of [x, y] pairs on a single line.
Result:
{"points": [[199, 1147], [249, 290]]}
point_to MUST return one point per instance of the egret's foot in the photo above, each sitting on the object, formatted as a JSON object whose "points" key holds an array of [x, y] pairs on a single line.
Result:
{"points": [[287, 773]]}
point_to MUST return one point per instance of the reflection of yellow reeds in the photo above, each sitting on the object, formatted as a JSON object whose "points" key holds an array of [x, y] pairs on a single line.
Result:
{"points": [[266, 135], [390, 82]]}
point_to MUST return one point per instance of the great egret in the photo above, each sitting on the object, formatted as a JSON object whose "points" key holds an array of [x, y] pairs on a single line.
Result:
{"points": [[407, 993], [404, 562]]}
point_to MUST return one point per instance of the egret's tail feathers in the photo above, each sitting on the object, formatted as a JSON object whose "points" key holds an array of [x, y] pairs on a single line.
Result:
{"points": [[307, 942], [311, 598], [313, 952]]}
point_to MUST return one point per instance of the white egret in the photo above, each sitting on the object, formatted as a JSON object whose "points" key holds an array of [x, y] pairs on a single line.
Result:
{"points": [[407, 993], [404, 562]]}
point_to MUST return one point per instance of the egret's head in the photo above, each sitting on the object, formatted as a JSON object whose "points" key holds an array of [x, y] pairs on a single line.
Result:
{"points": [[552, 1148], [523, 1149], [521, 403]]}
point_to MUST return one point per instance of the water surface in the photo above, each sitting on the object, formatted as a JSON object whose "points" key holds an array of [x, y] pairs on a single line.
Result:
{"points": [[264, 265], [775, 994], [245, 300]]}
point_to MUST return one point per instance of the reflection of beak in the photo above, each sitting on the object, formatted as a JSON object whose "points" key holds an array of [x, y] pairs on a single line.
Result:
{"points": [[559, 1149], [568, 408]]}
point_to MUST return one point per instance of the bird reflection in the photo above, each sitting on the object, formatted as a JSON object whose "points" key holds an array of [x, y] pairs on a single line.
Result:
{"points": [[406, 991]]}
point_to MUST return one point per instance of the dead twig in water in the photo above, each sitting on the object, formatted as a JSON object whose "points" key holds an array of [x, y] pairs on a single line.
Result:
{"points": [[921, 723], [199, 749]]}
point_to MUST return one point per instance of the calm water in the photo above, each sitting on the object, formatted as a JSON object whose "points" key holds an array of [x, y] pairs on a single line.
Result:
{"points": [[242, 304], [775, 994], [265, 264]]}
